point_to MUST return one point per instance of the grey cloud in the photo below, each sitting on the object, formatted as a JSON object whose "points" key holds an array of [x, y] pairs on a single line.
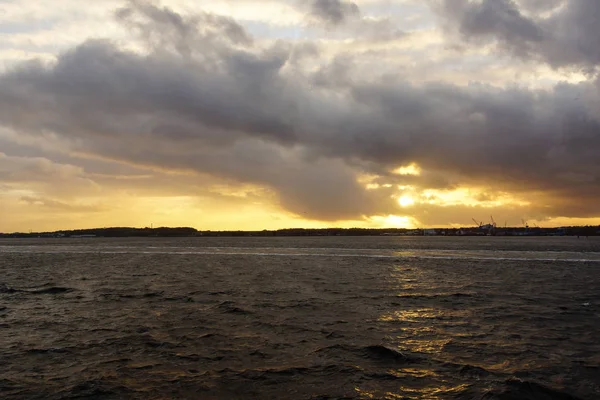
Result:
{"points": [[351, 24], [533, 6], [499, 20], [59, 205], [40, 174], [567, 36], [24, 169], [334, 11], [502, 19], [96, 73], [336, 73], [379, 29], [243, 113], [168, 28]]}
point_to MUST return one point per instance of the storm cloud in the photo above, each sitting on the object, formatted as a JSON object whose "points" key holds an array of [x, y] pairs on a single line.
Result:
{"points": [[561, 33], [334, 11], [200, 94]]}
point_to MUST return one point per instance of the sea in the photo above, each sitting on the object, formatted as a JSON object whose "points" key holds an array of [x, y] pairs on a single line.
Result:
{"points": [[484, 318]]}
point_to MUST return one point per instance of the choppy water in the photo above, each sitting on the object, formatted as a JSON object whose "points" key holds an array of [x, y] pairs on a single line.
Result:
{"points": [[300, 318]]}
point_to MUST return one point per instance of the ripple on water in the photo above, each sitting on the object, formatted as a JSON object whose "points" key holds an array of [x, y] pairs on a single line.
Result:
{"points": [[356, 318]]}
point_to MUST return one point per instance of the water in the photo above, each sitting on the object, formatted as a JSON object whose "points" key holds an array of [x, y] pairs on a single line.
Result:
{"points": [[300, 318]]}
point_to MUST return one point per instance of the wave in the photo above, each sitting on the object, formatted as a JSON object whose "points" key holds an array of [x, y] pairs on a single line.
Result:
{"points": [[377, 353], [481, 384], [434, 296], [468, 371], [44, 290], [196, 357], [384, 353], [294, 248], [115, 296], [229, 307], [97, 388], [516, 389], [184, 299], [324, 255], [48, 350]]}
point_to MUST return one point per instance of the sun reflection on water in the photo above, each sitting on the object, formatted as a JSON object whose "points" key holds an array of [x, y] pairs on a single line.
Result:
{"points": [[405, 392], [410, 315], [419, 325]]}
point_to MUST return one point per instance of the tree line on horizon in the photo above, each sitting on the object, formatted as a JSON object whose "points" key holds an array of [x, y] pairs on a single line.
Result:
{"points": [[193, 232]]}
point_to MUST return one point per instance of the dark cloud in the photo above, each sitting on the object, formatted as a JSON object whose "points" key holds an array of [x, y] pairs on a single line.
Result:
{"points": [[216, 104], [334, 11], [499, 19], [169, 28], [351, 24], [561, 36]]}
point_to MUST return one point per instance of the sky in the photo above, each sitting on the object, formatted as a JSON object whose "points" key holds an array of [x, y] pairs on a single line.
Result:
{"points": [[269, 114]]}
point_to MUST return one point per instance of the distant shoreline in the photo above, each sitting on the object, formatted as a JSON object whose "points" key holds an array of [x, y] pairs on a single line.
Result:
{"points": [[192, 232]]}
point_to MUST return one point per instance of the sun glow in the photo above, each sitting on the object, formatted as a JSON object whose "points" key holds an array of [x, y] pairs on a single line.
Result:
{"points": [[411, 169], [406, 201], [469, 197], [395, 221]]}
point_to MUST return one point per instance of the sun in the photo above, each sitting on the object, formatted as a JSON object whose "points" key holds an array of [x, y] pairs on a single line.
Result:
{"points": [[406, 201]]}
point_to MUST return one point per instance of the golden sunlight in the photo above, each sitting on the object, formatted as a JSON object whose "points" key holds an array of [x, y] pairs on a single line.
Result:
{"points": [[406, 201], [411, 169], [390, 221], [469, 197]]}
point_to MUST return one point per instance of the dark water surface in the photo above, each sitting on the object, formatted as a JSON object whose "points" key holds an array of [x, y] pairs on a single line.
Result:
{"points": [[300, 318]]}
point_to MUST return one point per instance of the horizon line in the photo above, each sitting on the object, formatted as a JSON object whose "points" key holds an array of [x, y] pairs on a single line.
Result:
{"points": [[473, 228]]}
